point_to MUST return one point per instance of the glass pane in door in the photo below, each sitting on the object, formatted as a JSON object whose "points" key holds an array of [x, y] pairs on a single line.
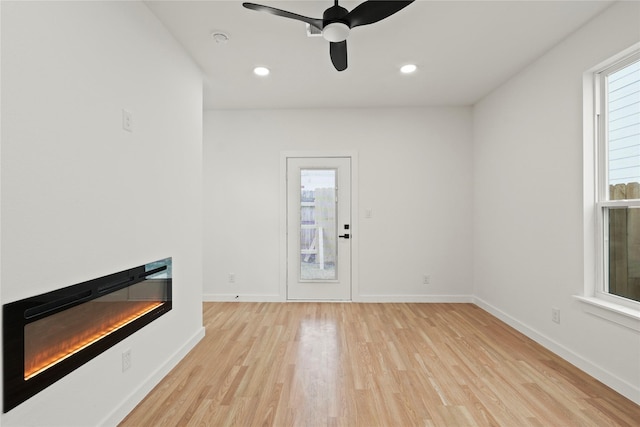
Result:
{"points": [[318, 224]]}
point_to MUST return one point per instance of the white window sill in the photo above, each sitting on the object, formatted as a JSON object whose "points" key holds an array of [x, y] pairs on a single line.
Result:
{"points": [[625, 316]]}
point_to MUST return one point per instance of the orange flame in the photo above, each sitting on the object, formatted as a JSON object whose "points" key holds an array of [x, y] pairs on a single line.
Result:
{"points": [[53, 346]]}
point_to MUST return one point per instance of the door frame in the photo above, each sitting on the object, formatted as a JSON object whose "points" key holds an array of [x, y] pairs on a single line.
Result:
{"points": [[355, 213]]}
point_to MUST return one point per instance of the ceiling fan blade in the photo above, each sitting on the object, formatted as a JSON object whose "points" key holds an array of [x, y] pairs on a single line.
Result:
{"points": [[373, 11], [272, 10], [338, 52]]}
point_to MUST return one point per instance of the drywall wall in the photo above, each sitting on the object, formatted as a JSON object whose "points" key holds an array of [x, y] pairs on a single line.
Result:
{"points": [[82, 198], [528, 203], [414, 173]]}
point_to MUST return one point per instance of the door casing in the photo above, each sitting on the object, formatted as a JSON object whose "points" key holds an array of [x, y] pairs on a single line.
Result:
{"points": [[355, 214]]}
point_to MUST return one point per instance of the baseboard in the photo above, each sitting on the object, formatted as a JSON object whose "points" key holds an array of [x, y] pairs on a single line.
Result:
{"points": [[242, 298], [626, 389], [135, 397], [414, 298], [359, 298]]}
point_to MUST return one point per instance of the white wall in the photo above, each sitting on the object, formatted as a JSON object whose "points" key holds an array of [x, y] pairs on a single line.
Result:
{"points": [[414, 173], [528, 203], [82, 198]]}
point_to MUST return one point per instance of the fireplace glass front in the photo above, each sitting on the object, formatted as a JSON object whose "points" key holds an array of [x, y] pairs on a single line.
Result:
{"points": [[48, 336]]}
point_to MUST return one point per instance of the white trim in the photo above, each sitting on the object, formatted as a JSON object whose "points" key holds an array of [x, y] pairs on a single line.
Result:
{"points": [[621, 56], [317, 153], [242, 298], [631, 204], [282, 212], [595, 189], [454, 299], [625, 316], [591, 240], [614, 301], [136, 396], [620, 385]]}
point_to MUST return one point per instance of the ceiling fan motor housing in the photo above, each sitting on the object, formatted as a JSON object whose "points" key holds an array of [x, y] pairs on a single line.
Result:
{"points": [[334, 27], [336, 22]]}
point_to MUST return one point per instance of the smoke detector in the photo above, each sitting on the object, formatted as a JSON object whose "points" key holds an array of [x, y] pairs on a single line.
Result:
{"points": [[219, 37]]}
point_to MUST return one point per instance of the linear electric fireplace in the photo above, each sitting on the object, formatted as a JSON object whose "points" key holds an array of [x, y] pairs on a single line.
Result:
{"points": [[48, 336]]}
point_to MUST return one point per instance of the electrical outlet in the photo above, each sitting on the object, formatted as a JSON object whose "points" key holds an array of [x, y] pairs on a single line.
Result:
{"points": [[426, 279], [232, 277], [555, 315], [127, 120], [126, 360]]}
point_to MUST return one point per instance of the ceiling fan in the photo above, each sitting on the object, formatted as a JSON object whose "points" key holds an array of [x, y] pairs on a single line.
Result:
{"points": [[337, 21]]}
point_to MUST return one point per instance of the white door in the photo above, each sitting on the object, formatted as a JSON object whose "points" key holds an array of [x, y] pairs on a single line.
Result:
{"points": [[319, 228]]}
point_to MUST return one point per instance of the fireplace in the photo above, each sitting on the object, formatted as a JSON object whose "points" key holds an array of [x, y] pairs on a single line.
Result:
{"points": [[47, 336]]}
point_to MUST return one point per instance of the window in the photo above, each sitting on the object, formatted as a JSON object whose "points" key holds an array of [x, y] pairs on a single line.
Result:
{"points": [[617, 130]]}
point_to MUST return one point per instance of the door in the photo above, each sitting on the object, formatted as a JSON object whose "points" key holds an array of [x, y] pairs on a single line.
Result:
{"points": [[318, 228]]}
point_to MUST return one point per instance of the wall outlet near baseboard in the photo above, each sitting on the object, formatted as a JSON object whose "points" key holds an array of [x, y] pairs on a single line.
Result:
{"points": [[555, 314], [426, 279], [126, 360], [127, 120], [232, 277]]}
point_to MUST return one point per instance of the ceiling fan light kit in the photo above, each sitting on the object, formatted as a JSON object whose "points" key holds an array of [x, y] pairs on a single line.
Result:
{"points": [[337, 22], [336, 32]]}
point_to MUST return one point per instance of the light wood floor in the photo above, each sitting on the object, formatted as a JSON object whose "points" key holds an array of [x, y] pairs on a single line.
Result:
{"points": [[321, 364]]}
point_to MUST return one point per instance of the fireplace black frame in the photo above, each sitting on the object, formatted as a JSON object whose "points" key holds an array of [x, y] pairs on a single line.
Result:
{"points": [[17, 315]]}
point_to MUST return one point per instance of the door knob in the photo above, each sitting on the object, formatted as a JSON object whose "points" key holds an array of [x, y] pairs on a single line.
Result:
{"points": [[344, 236]]}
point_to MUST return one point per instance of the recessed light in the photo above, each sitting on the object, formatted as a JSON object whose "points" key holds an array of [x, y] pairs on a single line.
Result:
{"points": [[261, 71], [408, 69]]}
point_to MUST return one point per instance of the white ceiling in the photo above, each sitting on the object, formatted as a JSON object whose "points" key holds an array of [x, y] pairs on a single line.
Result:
{"points": [[464, 50]]}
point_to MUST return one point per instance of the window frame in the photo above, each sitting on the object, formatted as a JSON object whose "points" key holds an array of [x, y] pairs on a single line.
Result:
{"points": [[598, 293]]}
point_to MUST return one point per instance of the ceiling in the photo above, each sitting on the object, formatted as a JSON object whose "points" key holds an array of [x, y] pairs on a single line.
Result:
{"points": [[463, 50]]}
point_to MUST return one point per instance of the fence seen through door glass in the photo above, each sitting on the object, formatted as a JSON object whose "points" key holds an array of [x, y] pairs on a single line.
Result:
{"points": [[318, 233]]}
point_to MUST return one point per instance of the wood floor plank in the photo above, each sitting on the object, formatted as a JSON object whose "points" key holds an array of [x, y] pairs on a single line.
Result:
{"points": [[325, 364]]}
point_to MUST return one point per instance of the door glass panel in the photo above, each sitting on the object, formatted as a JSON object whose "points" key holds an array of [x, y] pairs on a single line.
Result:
{"points": [[318, 224]]}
